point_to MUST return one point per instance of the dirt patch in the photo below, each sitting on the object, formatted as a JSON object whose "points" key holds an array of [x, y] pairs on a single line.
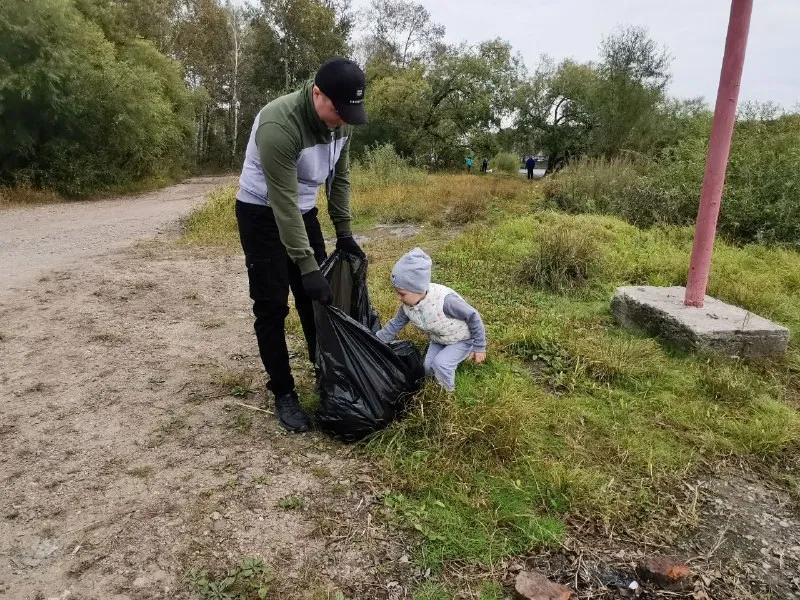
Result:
{"points": [[738, 534], [126, 460]]}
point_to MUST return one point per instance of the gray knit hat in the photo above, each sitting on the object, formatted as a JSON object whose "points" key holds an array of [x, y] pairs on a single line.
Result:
{"points": [[413, 272]]}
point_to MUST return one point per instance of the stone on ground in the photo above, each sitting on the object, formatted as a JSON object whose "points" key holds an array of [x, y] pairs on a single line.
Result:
{"points": [[531, 585], [666, 572]]}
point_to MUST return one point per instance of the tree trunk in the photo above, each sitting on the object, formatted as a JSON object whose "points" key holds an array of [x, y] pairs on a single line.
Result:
{"points": [[235, 95]]}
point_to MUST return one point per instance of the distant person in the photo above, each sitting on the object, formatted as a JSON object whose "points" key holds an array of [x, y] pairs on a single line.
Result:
{"points": [[299, 142], [454, 328], [469, 164], [530, 164], [485, 165]]}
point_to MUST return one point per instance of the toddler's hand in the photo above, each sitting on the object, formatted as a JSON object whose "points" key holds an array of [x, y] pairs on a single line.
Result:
{"points": [[476, 357]]}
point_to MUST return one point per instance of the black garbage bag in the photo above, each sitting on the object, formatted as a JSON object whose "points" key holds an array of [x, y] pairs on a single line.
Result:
{"points": [[364, 384]]}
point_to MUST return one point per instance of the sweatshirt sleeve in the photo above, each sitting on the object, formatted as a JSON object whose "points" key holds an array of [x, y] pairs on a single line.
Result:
{"points": [[393, 327], [339, 201], [278, 151], [455, 307]]}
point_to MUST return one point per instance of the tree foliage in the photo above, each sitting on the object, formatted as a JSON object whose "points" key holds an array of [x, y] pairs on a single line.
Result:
{"points": [[78, 112]]}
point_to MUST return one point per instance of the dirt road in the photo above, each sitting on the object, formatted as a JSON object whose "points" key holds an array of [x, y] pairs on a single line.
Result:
{"points": [[34, 240], [125, 458]]}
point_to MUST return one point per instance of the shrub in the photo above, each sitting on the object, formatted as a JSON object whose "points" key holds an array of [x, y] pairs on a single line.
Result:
{"points": [[506, 163], [80, 113], [761, 201]]}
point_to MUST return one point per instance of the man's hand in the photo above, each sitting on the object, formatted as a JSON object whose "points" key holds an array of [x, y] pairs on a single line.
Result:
{"points": [[317, 287], [476, 357], [348, 244]]}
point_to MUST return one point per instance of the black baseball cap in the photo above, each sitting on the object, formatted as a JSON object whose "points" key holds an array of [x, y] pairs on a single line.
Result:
{"points": [[343, 82]]}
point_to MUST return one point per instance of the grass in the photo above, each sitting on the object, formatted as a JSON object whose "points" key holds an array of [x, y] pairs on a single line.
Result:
{"points": [[445, 200], [456, 200], [248, 581], [570, 416], [214, 223], [27, 195], [23, 195]]}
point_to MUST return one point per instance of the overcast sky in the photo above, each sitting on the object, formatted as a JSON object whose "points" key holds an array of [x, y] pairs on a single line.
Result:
{"points": [[692, 30]]}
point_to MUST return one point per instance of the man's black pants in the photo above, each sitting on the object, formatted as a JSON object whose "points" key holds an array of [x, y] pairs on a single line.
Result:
{"points": [[272, 274], [530, 172]]}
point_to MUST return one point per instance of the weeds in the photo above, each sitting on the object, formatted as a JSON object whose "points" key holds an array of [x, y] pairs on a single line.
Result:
{"points": [[240, 421], [250, 581], [291, 503], [382, 167], [236, 383], [506, 163], [26, 195], [214, 223]]}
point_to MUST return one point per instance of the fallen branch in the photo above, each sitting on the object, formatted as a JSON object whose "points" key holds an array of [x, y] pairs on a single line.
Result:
{"points": [[251, 407]]}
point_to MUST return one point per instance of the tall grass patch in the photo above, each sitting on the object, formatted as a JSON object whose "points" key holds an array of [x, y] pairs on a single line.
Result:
{"points": [[382, 167], [444, 200], [505, 162], [214, 222], [571, 414], [26, 195]]}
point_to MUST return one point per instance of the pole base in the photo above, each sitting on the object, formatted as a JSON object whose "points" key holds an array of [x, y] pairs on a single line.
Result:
{"points": [[716, 329]]}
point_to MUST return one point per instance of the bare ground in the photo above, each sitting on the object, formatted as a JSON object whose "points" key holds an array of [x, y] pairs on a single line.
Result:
{"points": [[125, 461], [127, 457]]}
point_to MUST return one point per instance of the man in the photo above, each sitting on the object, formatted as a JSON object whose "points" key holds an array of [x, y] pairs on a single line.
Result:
{"points": [[485, 165], [530, 164], [298, 142]]}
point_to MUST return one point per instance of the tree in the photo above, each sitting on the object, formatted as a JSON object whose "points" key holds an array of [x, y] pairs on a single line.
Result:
{"points": [[398, 32], [554, 111], [432, 110], [236, 32], [597, 109], [634, 73], [307, 32], [80, 113]]}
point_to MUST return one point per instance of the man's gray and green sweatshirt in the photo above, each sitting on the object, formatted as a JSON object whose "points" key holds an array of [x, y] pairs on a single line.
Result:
{"points": [[291, 152]]}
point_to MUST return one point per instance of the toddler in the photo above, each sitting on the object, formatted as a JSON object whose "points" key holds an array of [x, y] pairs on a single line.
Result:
{"points": [[454, 328]]}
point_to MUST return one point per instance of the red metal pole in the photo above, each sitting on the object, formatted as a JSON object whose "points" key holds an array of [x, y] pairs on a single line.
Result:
{"points": [[719, 148]]}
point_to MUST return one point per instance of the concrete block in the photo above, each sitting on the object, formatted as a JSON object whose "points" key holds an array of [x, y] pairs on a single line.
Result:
{"points": [[717, 328]]}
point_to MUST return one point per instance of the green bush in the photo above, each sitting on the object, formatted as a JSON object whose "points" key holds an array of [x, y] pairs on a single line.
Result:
{"points": [[591, 185], [761, 200], [564, 260], [383, 167], [80, 113], [506, 163]]}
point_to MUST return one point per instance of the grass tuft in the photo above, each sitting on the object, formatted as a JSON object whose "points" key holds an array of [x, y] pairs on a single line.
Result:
{"points": [[563, 261]]}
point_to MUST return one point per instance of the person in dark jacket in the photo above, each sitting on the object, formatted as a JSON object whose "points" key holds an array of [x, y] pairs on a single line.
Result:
{"points": [[530, 164], [298, 143]]}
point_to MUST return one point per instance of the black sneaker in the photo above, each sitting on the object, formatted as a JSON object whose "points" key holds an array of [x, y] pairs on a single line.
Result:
{"points": [[290, 415]]}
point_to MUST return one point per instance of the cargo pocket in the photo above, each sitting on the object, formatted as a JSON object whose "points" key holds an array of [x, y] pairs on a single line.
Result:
{"points": [[269, 281]]}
